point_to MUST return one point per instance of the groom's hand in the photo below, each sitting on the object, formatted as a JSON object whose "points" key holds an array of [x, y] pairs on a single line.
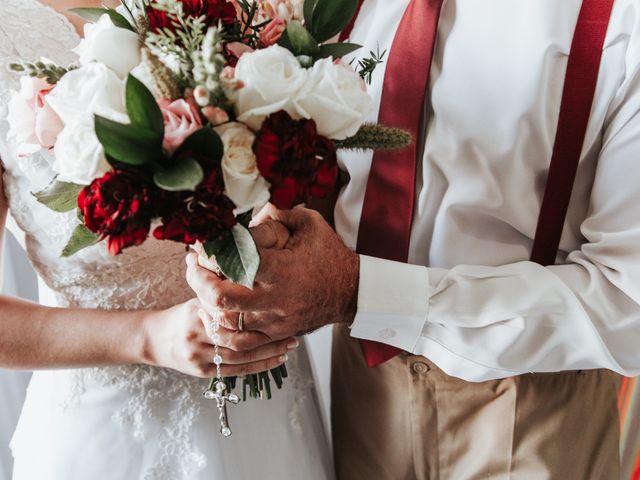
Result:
{"points": [[311, 282]]}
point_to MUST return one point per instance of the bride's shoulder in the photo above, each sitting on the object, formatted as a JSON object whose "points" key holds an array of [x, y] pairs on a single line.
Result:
{"points": [[30, 30]]}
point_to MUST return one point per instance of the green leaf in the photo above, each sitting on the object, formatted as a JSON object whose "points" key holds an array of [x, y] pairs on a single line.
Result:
{"points": [[59, 196], [93, 15], [212, 247], [142, 108], [237, 256], [309, 7], [301, 40], [330, 17], [81, 238], [186, 175], [244, 219], [284, 42], [128, 144], [204, 142], [337, 50]]}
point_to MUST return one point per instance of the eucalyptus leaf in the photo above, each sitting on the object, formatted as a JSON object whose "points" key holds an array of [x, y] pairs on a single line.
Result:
{"points": [[301, 40], [212, 247], [142, 108], [59, 196], [92, 15], [337, 50], [128, 144], [330, 17], [81, 238], [185, 176], [206, 143], [237, 256]]}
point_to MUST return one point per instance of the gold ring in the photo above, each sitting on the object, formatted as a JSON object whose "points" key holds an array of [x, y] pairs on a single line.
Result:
{"points": [[241, 322]]}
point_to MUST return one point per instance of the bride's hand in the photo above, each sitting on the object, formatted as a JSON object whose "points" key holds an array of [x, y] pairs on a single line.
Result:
{"points": [[177, 338]]}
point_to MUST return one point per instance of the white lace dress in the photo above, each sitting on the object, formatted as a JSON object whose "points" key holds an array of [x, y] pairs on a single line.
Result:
{"points": [[133, 422]]}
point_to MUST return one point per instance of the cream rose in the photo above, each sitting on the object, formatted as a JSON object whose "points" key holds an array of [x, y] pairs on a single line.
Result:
{"points": [[98, 46], [337, 100], [243, 182], [271, 80], [79, 157], [33, 124]]}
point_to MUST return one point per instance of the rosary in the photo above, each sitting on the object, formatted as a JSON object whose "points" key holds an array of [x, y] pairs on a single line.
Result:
{"points": [[217, 388]]}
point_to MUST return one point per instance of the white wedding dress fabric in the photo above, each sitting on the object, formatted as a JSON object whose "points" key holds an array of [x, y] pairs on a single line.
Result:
{"points": [[132, 422]]}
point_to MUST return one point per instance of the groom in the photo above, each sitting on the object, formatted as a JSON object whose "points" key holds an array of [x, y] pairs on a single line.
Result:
{"points": [[473, 269]]}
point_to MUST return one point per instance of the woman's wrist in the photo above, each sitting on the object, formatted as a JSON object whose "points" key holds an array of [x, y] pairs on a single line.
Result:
{"points": [[141, 347]]}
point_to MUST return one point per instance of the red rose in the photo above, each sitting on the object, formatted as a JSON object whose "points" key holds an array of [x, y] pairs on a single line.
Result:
{"points": [[203, 215], [118, 207], [212, 10], [299, 163]]}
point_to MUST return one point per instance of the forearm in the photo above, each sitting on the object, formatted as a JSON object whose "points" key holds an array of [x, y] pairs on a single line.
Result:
{"points": [[36, 337], [480, 323]]}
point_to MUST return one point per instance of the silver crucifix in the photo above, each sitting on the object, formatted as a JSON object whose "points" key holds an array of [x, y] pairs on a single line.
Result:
{"points": [[220, 395]]}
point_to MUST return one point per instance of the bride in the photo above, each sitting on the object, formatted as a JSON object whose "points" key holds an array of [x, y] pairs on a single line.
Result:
{"points": [[126, 352]]}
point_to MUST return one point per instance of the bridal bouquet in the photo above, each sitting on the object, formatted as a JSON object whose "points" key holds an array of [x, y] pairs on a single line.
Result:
{"points": [[182, 117]]}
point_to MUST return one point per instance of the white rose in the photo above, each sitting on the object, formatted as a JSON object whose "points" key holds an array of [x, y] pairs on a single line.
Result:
{"points": [[271, 80], [243, 182], [79, 157], [337, 100], [90, 89], [115, 47]]}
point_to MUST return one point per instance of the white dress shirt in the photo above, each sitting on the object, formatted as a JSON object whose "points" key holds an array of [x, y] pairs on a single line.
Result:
{"points": [[469, 299]]}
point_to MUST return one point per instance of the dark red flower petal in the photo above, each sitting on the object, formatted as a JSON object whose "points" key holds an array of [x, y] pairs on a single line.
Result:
{"points": [[119, 207], [299, 163]]}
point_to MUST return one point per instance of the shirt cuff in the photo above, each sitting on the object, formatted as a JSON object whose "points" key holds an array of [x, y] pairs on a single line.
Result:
{"points": [[393, 302]]}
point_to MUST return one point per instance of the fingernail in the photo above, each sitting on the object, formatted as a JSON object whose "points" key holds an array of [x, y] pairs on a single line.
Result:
{"points": [[283, 358], [293, 344]]}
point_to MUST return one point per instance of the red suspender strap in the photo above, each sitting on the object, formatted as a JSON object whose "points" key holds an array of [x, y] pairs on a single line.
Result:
{"points": [[387, 212], [577, 99]]}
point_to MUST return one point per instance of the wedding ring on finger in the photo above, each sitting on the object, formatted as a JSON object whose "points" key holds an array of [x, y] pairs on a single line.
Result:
{"points": [[241, 322]]}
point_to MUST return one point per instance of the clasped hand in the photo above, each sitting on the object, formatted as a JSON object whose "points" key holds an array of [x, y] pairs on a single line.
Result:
{"points": [[308, 278]]}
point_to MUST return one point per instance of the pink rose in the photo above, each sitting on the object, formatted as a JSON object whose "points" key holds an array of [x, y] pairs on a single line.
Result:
{"points": [[180, 120], [215, 115], [33, 123], [237, 49], [270, 34]]}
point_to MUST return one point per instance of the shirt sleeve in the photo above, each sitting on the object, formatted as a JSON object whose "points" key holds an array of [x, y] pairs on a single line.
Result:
{"points": [[480, 323]]}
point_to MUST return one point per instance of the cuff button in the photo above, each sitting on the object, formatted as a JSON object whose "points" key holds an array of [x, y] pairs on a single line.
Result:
{"points": [[387, 333]]}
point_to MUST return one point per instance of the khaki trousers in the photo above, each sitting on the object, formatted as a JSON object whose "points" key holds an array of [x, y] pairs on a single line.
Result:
{"points": [[407, 420]]}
